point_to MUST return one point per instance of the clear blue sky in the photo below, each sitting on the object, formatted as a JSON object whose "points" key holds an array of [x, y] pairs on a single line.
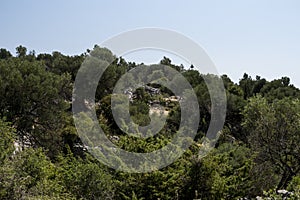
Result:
{"points": [[258, 37]]}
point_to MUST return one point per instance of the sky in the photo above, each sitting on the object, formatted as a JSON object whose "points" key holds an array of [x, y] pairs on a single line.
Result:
{"points": [[258, 37]]}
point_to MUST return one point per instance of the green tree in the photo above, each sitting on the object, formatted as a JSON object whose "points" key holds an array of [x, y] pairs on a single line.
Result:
{"points": [[225, 173], [4, 54], [273, 130], [31, 175], [85, 179], [167, 61], [235, 104], [21, 51], [60, 64], [279, 89], [246, 83], [34, 100], [7, 136]]}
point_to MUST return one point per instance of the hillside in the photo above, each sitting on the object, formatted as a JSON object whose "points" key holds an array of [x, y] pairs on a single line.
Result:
{"points": [[256, 151]]}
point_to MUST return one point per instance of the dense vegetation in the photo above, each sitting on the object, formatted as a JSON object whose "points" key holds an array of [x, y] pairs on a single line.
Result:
{"points": [[42, 157]]}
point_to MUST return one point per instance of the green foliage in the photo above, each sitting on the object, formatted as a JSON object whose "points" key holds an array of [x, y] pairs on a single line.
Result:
{"points": [[223, 174], [7, 136], [161, 184], [4, 54], [273, 130], [34, 101], [85, 179], [280, 89], [21, 51], [294, 185], [59, 64], [30, 174], [257, 151], [273, 194]]}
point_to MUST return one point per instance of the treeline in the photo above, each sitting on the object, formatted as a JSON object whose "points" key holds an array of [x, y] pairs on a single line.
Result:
{"points": [[42, 156]]}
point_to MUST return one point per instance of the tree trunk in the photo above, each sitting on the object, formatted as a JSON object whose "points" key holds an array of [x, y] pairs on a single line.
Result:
{"points": [[285, 180]]}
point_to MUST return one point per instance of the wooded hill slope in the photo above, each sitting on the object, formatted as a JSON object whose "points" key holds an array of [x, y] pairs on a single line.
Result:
{"points": [[257, 153]]}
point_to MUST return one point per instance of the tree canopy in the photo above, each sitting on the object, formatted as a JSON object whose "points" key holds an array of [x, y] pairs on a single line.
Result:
{"points": [[43, 157]]}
